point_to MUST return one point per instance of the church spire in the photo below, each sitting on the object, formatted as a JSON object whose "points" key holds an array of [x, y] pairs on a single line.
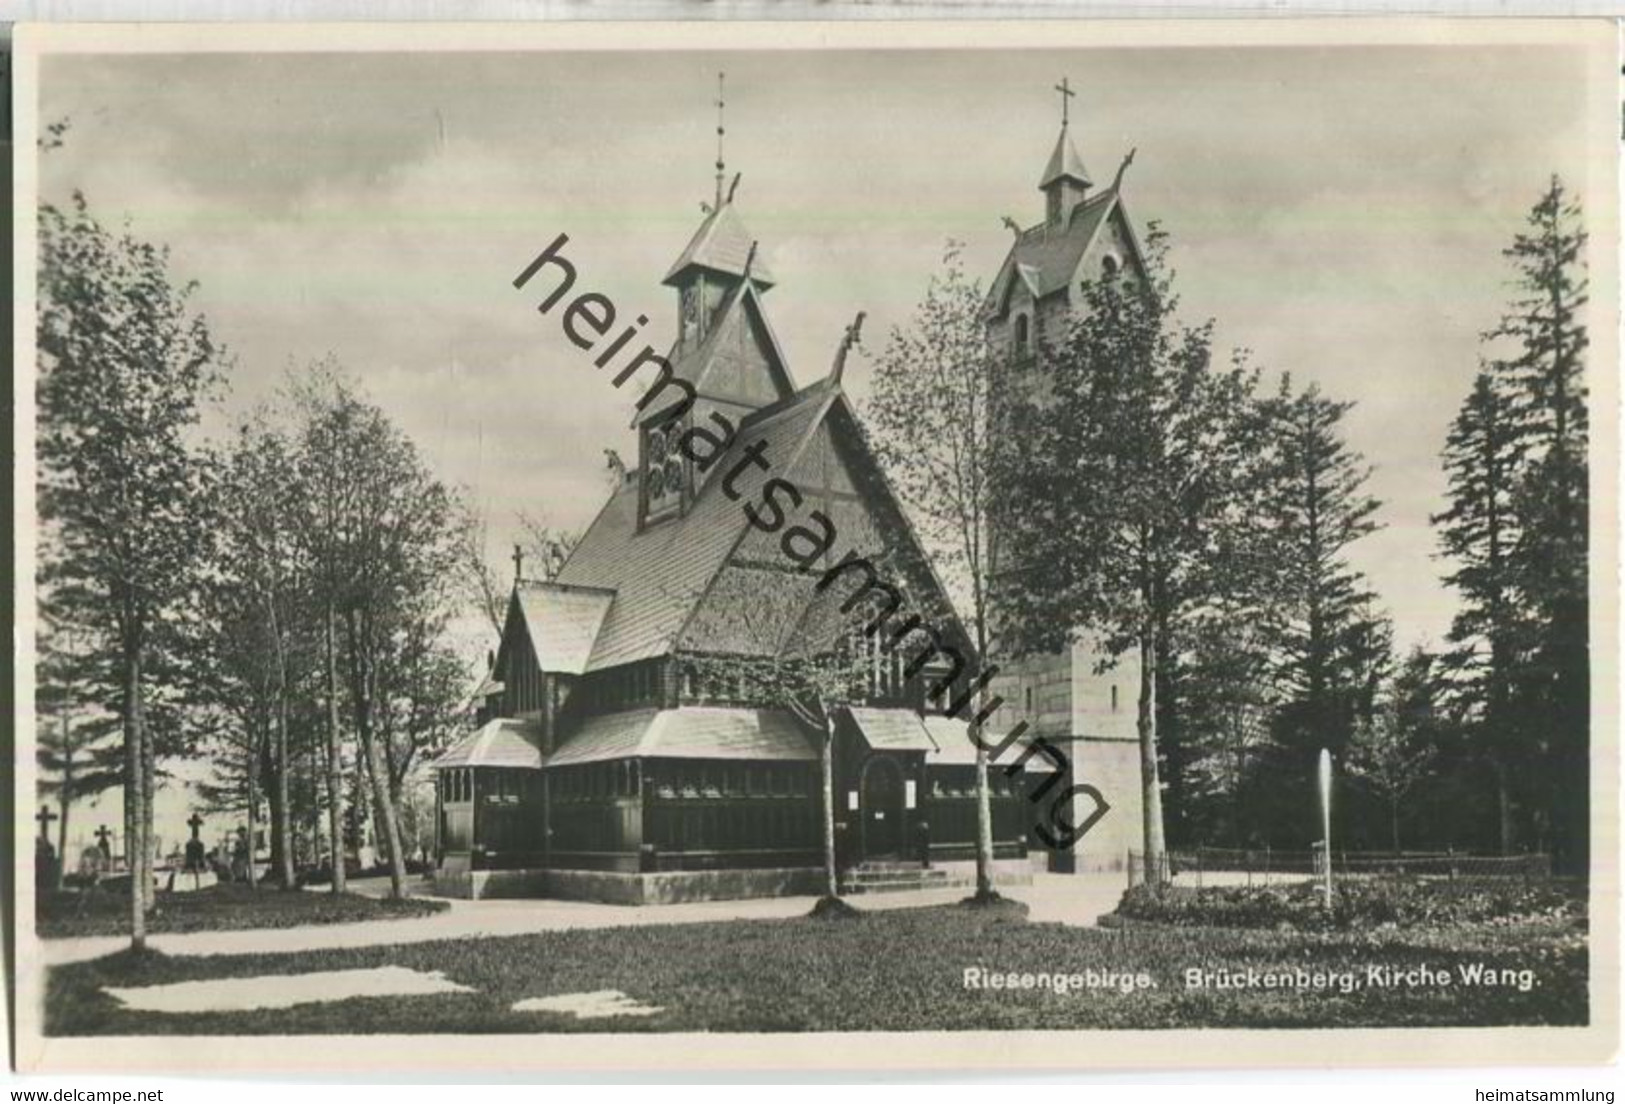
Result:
{"points": [[1065, 182], [722, 167], [715, 255]]}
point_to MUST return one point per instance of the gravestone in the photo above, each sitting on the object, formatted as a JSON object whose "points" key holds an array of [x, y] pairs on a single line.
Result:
{"points": [[44, 864], [45, 861], [195, 859]]}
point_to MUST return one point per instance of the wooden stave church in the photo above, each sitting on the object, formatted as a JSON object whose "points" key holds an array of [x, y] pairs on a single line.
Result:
{"points": [[606, 764]]}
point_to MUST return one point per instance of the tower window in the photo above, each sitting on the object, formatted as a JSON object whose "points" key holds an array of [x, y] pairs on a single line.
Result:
{"points": [[1022, 335], [664, 471], [1029, 694], [1109, 266], [1114, 699]]}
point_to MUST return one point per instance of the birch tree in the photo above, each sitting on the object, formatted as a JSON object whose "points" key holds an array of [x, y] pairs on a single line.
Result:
{"points": [[126, 364], [931, 419]]}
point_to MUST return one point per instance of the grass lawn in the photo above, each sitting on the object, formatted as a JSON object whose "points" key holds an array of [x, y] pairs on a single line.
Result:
{"points": [[66, 914], [886, 971]]}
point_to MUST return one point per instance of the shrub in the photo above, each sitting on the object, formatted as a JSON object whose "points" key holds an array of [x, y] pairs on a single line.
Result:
{"points": [[1408, 903]]}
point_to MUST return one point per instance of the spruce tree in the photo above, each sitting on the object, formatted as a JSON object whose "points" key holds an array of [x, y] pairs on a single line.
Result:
{"points": [[1545, 328], [1478, 533], [1328, 644]]}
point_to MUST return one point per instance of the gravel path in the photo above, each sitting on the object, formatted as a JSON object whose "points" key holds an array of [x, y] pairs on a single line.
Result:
{"points": [[1077, 900]]}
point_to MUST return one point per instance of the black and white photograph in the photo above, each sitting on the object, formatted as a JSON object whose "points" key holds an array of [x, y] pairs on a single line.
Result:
{"points": [[1101, 538]]}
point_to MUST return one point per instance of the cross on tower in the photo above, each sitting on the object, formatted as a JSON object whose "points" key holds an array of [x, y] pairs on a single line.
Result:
{"points": [[45, 816], [518, 562], [1065, 89], [195, 824]]}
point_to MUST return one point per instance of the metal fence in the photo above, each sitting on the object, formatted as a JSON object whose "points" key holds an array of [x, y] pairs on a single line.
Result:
{"points": [[1219, 866]]}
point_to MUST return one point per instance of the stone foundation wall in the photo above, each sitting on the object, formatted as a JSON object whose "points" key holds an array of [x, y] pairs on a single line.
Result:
{"points": [[664, 888], [1005, 871], [1112, 767]]}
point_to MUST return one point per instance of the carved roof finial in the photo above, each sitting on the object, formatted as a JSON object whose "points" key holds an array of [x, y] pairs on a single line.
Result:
{"points": [[1121, 169], [850, 338]]}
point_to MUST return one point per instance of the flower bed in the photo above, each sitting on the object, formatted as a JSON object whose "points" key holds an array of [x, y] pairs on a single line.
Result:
{"points": [[1412, 903]]}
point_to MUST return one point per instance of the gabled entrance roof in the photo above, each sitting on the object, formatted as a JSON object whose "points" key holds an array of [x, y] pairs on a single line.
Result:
{"points": [[693, 732], [503, 742]]}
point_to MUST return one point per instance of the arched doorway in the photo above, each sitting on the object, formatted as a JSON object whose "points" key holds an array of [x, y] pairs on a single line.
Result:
{"points": [[881, 807]]}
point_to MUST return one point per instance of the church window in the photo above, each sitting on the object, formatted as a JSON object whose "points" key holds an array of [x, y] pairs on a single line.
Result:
{"points": [[1028, 693], [691, 313], [1022, 339], [1109, 265], [664, 471], [1114, 699]]}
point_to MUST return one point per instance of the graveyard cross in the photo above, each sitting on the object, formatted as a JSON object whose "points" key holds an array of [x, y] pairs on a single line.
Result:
{"points": [[102, 836], [195, 824], [45, 816]]}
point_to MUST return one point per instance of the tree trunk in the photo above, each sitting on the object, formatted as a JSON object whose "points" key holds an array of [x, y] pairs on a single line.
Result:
{"points": [[984, 797], [273, 800], [335, 755], [133, 763], [361, 682], [1503, 804], [282, 813], [832, 885], [251, 801], [984, 819], [149, 775], [67, 800], [1150, 783], [281, 808]]}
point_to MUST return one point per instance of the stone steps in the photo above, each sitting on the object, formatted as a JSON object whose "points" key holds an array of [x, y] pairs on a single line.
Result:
{"points": [[894, 877]]}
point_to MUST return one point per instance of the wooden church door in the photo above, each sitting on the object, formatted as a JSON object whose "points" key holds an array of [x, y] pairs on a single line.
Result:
{"points": [[881, 804]]}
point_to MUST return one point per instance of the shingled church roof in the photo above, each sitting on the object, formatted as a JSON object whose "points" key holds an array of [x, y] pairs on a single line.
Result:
{"points": [[499, 743], [722, 244], [693, 732], [696, 364], [563, 622], [1046, 256], [1064, 162], [660, 572]]}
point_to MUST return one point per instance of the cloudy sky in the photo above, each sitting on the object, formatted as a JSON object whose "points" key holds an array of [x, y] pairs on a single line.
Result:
{"points": [[1339, 211]]}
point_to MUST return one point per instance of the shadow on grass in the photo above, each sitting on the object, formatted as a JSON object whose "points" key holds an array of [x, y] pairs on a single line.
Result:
{"points": [[895, 970], [75, 913]]}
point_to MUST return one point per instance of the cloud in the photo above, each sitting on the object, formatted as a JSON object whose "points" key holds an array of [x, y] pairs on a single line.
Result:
{"points": [[1340, 212]]}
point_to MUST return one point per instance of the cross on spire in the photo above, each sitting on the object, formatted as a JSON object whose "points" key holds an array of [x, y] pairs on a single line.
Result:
{"points": [[1065, 89], [518, 563]]}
